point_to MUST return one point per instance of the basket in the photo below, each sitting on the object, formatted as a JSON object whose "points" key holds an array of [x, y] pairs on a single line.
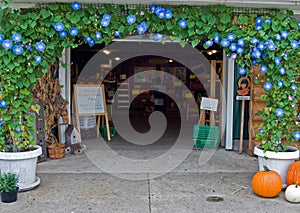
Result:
{"points": [[112, 130], [206, 136]]}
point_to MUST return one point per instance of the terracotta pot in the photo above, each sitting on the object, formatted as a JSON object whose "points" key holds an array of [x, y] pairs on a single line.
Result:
{"points": [[56, 151]]}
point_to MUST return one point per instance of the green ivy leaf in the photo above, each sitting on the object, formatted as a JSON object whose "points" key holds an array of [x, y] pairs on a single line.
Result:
{"points": [[225, 18], [243, 18], [45, 13]]}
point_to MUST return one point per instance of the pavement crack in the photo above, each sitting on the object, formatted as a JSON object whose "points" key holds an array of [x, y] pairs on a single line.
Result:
{"points": [[149, 196]]}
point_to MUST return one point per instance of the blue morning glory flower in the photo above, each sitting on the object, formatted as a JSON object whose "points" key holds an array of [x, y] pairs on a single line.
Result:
{"points": [[258, 28], [277, 60], [1, 37], [264, 55], [254, 40], [105, 21], [255, 54], [261, 46], [40, 46], [91, 42], [278, 37], [142, 28], [279, 112], [282, 70], [37, 59], [254, 62], [297, 136], [75, 5], [152, 8], [158, 37], [271, 45], [225, 42], [7, 44], [280, 83], [239, 50], [118, 34], [88, 39], [231, 36], [263, 68], [258, 20], [3, 104], [182, 23], [216, 38], [157, 9], [168, 13], [161, 13], [294, 44], [62, 34], [16, 37], [241, 42], [17, 50], [58, 26], [131, 19], [233, 47], [98, 35], [18, 130], [294, 87], [242, 70], [73, 31], [261, 131], [268, 86], [268, 21], [209, 43], [284, 34], [299, 24]]}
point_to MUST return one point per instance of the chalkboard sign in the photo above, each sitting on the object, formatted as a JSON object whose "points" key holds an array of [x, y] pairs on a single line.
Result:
{"points": [[89, 99]]}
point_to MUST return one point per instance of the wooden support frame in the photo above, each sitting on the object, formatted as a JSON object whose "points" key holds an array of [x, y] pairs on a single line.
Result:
{"points": [[90, 101]]}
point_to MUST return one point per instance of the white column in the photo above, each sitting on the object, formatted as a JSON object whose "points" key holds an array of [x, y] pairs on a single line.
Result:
{"points": [[229, 110]]}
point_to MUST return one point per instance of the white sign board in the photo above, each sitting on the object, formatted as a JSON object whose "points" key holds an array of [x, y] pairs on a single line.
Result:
{"points": [[89, 100], [210, 104]]}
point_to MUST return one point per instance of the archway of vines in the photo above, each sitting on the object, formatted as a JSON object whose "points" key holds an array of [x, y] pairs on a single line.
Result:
{"points": [[33, 38]]}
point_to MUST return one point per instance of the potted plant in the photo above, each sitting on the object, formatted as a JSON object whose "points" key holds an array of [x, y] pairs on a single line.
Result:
{"points": [[47, 90], [9, 187]]}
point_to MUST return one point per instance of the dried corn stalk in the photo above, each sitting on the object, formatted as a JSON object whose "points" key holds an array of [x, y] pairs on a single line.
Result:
{"points": [[47, 90]]}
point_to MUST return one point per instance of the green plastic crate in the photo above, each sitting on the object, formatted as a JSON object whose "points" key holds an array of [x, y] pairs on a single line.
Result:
{"points": [[210, 144], [112, 130], [206, 132], [206, 136]]}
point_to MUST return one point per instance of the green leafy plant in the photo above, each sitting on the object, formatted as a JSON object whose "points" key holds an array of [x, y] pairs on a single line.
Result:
{"points": [[33, 38], [8, 182]]}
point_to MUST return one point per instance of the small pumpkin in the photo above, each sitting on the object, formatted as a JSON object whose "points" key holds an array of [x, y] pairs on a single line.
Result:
{"points": [[267, 183], [292, 193], [293, 174]]}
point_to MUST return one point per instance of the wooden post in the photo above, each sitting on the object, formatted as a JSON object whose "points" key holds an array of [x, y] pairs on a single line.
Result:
{"points": [[242, 127]]}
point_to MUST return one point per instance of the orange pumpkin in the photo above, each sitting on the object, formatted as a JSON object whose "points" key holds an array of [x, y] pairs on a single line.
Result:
{"points": [[293, 174], [267, 183]]}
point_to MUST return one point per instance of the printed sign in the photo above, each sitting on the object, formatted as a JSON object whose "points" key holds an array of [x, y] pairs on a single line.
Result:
{"points": [[210, 104]]}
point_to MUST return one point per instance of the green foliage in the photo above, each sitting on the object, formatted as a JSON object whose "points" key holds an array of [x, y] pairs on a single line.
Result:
{"points": [[37, 24], [8, 182]]}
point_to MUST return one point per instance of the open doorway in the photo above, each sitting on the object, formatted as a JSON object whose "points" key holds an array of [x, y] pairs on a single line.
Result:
{"points": [[143, 94]]}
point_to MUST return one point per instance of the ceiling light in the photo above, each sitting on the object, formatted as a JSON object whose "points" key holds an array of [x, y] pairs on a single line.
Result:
{"points": [[107, 52]]}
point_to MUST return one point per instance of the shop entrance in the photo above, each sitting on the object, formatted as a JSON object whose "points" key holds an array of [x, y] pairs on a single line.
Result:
{"points": [[119, 69]]}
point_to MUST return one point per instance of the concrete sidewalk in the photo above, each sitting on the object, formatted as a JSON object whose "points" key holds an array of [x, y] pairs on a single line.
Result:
{"points": [[76, 184]]}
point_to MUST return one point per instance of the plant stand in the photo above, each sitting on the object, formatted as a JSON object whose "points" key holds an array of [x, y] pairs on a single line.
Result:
{"points": [[278, 161], [24, 165]]}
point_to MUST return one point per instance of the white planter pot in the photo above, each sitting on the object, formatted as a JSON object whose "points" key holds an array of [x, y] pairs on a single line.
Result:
{"points": [[24, 165], [278, 161]]}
